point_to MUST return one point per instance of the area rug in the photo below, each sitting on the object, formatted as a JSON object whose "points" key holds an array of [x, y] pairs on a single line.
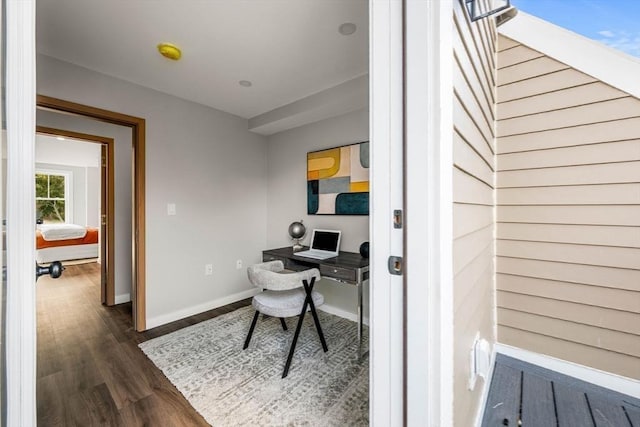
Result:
{"points": [[232, 387]]}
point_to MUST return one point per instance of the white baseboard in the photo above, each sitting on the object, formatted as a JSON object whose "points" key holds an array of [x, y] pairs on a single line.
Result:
{"points": [[327, 308], [604, 379], [486, 385], [122, 298], [153, 322]]}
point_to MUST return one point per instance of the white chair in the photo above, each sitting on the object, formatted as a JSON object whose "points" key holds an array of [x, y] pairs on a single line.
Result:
{"points": [[286, 294]]}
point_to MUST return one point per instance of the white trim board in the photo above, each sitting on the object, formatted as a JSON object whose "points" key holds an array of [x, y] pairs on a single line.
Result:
{"points": [[153, 322], [331, 309], [606, 64], [122, 298], [604, 379]]}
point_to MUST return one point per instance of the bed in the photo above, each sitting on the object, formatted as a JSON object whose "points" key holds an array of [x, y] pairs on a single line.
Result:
{"points": [[64, 242]]}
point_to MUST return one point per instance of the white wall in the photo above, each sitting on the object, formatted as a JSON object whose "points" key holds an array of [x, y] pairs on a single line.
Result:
{"points": [[208, 164], [287, 192]]}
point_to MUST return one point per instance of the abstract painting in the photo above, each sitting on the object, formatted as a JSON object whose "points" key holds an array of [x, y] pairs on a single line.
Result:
{"points": [[338, 180]]}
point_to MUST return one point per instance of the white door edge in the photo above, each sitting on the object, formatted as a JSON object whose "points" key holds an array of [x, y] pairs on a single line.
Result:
{"points": [[429, 235], [20, 113], [386, 291]]}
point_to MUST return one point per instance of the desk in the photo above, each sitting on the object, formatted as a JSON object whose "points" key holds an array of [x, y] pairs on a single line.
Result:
{"points": [[347, 267]]}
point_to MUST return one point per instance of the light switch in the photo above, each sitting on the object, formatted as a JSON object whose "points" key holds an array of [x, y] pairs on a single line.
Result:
{"points": [[171, 209]]}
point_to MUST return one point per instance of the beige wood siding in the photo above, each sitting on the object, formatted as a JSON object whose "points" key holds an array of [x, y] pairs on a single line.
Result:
{"points": [[568, 213], [473, 193]]}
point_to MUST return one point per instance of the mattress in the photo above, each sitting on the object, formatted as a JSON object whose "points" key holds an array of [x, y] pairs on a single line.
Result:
{"points": [[90, 237]]}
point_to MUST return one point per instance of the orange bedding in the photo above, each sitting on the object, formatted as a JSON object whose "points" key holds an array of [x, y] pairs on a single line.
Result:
{"points": [[90, 237]]}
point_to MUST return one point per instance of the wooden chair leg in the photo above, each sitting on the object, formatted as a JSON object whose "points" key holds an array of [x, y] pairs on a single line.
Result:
{"points": [[295, 340], [308, 288], [253, 325], [283, 323]]}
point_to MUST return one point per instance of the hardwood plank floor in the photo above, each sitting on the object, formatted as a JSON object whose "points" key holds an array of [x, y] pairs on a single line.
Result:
{"points": [[90, 371]]}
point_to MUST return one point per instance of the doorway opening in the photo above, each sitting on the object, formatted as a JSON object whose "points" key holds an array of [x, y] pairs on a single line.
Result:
{"points": [[137, 126], [104, 218]]}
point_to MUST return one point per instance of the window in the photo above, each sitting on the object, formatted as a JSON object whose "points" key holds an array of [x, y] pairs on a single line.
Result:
{"points": [[52, 197]]}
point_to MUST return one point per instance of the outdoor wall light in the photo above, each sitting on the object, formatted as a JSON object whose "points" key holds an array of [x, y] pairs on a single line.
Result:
{"points": [[479, 9]]}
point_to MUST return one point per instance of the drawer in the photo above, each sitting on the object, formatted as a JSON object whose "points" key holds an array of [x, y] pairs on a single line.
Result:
{"points": [[267, 258], [338, 272]]}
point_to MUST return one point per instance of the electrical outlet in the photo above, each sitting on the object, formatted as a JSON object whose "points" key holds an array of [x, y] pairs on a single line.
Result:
{"points": [[238, 264], [208, 269]]}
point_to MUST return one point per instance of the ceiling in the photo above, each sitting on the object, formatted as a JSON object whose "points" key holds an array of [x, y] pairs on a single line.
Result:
{"points": [[288, 49]]}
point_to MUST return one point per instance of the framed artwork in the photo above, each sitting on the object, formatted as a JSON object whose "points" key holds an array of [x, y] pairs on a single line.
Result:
{"points": [[338, 180]]}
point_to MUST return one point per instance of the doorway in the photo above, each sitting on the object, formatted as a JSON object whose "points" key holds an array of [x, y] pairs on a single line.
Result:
{"points": [[106, 204], [137, 127]]}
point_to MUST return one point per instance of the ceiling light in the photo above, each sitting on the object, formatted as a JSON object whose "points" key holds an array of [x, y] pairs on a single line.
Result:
{"points": [[170, 51], [60, 138], [347, 28], [245, 83]]}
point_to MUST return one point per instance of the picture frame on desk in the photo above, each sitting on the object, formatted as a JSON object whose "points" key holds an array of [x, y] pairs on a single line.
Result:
{"points": [[338, 180]]}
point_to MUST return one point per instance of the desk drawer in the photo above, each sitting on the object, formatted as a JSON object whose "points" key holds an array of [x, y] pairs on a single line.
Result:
{"points": [[338, 272]]}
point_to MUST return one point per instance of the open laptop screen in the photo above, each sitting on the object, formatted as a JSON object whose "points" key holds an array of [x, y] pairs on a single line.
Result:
{"points": [[326, 240]]}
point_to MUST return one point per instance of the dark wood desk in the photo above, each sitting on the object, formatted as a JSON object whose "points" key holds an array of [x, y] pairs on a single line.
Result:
{"points": [[347, 267]]}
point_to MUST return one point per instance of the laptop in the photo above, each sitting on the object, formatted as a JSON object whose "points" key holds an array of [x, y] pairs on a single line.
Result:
{"points": [[324, 244]]}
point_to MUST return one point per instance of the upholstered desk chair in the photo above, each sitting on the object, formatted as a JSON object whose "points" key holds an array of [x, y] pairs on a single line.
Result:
{"points": [[286, 294]]}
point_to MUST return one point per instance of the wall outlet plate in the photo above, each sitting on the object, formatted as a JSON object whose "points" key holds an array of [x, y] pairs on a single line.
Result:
{"points": [[238, 264], [208, 269]]}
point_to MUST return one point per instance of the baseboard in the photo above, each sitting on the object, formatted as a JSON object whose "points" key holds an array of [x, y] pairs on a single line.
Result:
{"points": [[122, 298], [153, 322], [327, 308], [486, 385], [604, 379]]}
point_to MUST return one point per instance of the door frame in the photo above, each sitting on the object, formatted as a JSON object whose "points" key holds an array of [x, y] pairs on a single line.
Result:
{"points": [[107, 203], [137, 125]]}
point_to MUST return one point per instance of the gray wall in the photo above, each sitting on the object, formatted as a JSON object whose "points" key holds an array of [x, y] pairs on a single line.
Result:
{"points": [[208, 164], [287, 192]]}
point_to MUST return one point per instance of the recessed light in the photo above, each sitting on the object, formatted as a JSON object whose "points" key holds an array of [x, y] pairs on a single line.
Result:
{"points": [[245, 83], [170, 51], [60, 138], [347, 28]]}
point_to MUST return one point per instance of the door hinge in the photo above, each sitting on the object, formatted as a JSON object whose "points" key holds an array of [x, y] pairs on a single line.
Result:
{"points": [[396, 265]]}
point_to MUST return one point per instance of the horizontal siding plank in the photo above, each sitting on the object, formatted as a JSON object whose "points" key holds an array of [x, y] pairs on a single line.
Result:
{"points": [[467, 189], [480, 116], [466, 248], [466, 158], [608, 173], [612, 340], [468, 130], [614, 109], [628, 237], [610, 194], [615, 299], [604, 360], [596, 133], [604, 256], [588, 94], [469, 312], [506, 43], [470, 218], [611, 152], [558, 80], [575, 273], [586, 215], [466, 280], [516, 55], [529, 69]]}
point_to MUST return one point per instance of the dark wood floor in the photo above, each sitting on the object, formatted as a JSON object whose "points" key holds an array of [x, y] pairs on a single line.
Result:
{"points": [[527, 395], [90, 370]]}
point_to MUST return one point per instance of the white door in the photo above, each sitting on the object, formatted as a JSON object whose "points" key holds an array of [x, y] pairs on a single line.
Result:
{"points": [[386, 134], [19, 61]]}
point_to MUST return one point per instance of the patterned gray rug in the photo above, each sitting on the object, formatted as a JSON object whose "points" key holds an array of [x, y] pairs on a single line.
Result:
{"points": [[232, 387]]}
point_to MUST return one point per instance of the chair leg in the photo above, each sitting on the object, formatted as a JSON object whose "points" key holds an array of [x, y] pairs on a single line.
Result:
{"points": [[253, 325], [283, 323], [295, 340], [308, 289]]}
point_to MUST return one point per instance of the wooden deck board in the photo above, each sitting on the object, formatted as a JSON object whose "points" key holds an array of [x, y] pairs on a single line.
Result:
{"points": [[538, 407], [529, 395]]}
